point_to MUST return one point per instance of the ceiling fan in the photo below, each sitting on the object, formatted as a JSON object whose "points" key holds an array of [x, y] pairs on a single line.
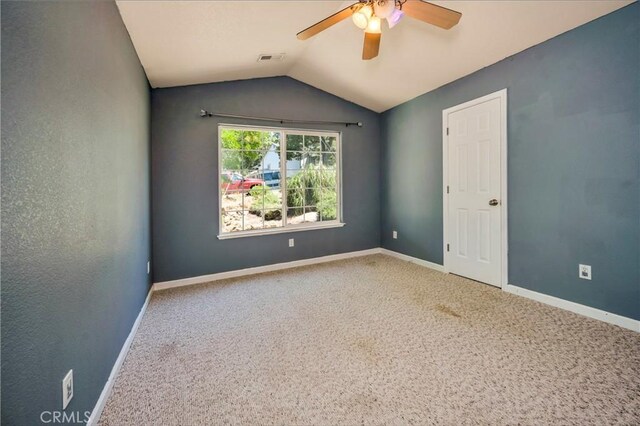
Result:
{"points": [[368, 14]]}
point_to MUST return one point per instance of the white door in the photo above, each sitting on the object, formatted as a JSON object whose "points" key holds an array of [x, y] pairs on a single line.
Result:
{"points": [[473, 201]]}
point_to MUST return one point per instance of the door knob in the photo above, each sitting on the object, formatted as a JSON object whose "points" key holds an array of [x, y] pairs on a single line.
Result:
{"points": [[493, 202]]}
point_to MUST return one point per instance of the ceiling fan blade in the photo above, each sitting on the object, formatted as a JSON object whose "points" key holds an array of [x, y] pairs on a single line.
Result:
{"points": [[431, 13], [371, 45], [327, 22]]}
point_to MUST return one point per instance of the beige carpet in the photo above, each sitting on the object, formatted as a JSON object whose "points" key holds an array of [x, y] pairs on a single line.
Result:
{"points": [[372, 340]]}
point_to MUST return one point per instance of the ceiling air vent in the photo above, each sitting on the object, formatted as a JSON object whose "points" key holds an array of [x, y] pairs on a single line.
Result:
{"points": [[271, 57]]}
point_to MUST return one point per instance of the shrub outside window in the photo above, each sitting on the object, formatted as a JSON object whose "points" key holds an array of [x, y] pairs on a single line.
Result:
{"points": [[277, 180]]}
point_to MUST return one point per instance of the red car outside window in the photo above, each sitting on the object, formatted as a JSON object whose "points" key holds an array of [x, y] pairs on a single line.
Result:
{"points": [[236, 182]]}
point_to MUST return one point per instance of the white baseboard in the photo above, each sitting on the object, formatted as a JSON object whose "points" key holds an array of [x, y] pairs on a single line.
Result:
{"points": [[412, 259], [576, 308], [106, 391], [261, 269]]}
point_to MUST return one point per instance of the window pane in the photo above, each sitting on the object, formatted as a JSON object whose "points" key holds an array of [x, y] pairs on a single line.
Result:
{"points": [[232, 161], [255, 140], [274, 141], [248, 146], [252, 221], [311, 159], [230, 201], [271, 178], [295, 216], [232, 221], [255, 198], [270, 168], [312, 143], [263, 197], [312, 196], [328, 143], [271, 160], [305, 186], [231, 139], [329, 178], [232, 191], [294, 159], [254, 160], [294, 142], [273, 218], [236, 160], [328, 204], [292, 179], [301, 178], [295, 198], [291, 174], [329, 160], [310, 215], [302, 215]]}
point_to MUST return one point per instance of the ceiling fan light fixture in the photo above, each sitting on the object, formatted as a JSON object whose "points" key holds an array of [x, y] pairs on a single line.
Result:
{"points": [[395, 17], [384, 8], [365, 17], [362, 16], [374, 26]]}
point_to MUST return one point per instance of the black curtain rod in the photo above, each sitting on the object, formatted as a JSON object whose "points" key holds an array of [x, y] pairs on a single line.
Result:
{"points": [[204, 113]]}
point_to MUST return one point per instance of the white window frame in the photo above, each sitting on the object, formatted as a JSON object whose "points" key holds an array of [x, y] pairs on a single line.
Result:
{"points": [[286, 228]]}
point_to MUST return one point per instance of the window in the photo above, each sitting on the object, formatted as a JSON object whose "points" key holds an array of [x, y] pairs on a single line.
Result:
{"points": [[276, 180]]}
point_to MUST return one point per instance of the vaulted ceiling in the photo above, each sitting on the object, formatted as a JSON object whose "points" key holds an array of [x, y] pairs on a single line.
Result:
{"points": [[190, 42]]}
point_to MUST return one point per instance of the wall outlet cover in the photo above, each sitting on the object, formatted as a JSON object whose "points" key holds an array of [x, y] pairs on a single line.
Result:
{"points": [[67, 389], [395, 235], [291, 242], [584, 271]]}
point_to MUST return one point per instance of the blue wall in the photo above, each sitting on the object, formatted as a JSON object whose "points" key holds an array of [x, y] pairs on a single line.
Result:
{"points": [[184, 176], [75, 201], [573, 159]]}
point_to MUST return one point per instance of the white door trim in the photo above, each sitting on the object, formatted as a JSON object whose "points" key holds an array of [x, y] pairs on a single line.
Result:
{"points": [[502, 95]]}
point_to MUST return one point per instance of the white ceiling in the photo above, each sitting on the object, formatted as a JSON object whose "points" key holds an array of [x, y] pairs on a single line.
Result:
{"points": [[190, 42]]}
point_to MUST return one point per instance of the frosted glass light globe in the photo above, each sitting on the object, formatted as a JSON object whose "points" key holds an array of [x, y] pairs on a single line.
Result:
{"points": [[361, 17], [384, 8], [395, 17], [374, 25]]}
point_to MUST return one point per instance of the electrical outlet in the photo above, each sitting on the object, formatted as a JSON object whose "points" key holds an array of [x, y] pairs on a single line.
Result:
{"points": [[291, 242], [395, 235], [148, 267], [584, 272], [67, 389]]}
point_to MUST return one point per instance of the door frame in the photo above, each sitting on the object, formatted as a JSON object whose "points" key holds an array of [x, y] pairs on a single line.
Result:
{"points": [[502, 95]]}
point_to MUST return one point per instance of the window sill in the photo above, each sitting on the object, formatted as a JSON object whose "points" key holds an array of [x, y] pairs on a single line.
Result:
{"points": [[257, 233]]}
